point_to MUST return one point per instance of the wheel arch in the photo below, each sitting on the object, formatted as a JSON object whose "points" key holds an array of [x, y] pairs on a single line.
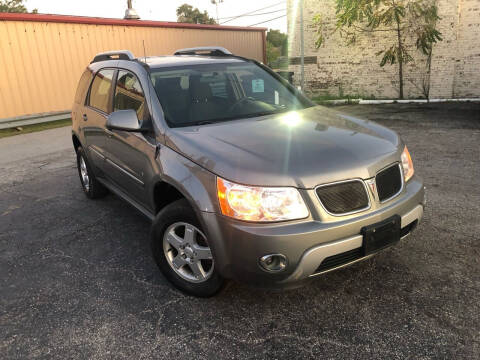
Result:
{"points": [[164, 193], [179, 177], [76, 141]]}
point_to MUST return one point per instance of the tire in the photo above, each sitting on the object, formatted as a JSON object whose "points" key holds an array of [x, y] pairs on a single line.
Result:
{"points": [[181, 251], [90, 185]]}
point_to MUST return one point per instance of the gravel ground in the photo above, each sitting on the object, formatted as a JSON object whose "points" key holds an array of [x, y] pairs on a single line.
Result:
{"points": [[77, 279]]}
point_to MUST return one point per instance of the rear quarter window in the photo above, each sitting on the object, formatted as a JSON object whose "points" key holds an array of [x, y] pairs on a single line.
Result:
{"points": [[82, 87], [101, 90]]}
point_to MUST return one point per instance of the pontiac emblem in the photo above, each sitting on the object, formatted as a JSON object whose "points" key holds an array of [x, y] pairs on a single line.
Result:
{"points": [[372, 186]]}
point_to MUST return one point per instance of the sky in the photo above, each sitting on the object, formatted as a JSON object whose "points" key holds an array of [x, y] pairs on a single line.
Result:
{"points": [[164, 10]]}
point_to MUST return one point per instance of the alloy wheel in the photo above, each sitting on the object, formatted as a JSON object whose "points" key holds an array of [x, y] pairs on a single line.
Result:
{"points": [[187, 252], [84, 174]]}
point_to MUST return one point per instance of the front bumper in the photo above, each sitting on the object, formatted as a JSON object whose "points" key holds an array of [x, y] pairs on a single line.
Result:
{"points": [[238, 246]]}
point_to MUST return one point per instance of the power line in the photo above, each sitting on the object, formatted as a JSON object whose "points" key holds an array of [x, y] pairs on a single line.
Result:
{"points": [[265, 13], [254, 11], [263, 22]]}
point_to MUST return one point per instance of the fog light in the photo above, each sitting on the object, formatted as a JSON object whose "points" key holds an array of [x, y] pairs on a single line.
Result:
{"points": [[273, 262]]}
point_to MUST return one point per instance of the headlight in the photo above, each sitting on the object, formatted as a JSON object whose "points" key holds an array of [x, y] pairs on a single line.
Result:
{"points": [[407, 164], [253, 203]]}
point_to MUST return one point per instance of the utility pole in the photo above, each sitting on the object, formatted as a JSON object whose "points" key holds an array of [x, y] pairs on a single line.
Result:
{"points": [[302, 50], [216, 2]]}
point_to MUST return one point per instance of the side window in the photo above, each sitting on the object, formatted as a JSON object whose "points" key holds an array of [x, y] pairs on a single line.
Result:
{"points": [[83, 83], [100, 90], [129, 94]]}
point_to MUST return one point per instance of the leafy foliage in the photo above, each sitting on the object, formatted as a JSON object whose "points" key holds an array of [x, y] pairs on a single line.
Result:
{"points": [[187, 14], [400, 21], [320, 32], [277, 39], [277, 45], [12, 6]]}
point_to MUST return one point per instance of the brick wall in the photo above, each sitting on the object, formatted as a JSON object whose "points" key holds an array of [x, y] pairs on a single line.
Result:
{"points": [[355, 70]]}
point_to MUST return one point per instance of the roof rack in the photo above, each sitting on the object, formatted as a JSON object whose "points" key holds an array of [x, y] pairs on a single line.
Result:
{"points": [[204, 50], [113, 55]]}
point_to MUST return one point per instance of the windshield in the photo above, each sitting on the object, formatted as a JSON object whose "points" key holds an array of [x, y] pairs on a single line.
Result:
{"points": [[202, 94]]}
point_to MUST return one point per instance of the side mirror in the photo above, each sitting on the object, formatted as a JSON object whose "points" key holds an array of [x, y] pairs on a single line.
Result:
{"points": [[123, 120]]}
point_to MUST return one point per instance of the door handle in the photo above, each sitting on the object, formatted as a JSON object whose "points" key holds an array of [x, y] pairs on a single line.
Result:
{"points": [[85, 117]]}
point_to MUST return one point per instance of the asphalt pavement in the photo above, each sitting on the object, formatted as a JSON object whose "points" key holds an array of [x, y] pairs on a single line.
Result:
{"points": [[78, 281]]}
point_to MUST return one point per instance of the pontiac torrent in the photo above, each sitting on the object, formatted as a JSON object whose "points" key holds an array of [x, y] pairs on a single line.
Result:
{"points": [[241, 175]]}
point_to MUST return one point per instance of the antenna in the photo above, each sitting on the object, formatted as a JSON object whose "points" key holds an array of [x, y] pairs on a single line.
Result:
{"points": [[216, 2], [144, 52]]}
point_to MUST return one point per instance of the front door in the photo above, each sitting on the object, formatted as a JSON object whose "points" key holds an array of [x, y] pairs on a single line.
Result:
{"points": [[129, 155]]}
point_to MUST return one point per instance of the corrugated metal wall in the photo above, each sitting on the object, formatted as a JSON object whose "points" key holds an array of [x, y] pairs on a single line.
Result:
{"points": [[41, 61]]}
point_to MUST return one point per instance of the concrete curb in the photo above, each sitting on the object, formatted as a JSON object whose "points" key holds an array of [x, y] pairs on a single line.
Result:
{"points": [[422, 101], [34, 119]]}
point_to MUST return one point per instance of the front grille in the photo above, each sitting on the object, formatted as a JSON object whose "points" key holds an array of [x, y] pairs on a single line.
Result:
{"points": [[340, 259], [389, 182], [345, 197]]}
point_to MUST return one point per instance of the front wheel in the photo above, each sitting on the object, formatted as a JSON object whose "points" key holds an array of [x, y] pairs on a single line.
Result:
{"points": [[182, 252]]}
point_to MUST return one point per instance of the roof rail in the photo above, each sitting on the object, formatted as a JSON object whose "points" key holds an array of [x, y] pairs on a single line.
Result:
{"points": [[204, 50], [113, 55]]}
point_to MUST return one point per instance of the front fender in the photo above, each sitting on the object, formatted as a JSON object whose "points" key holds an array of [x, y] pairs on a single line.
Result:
{"points": [[197, 184]]}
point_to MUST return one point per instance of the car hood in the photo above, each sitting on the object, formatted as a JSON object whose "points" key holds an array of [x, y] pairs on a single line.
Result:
{"points": [[302, 148]]}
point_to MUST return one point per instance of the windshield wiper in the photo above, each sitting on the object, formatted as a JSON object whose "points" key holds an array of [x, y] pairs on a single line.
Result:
{"points": [[230, 118], [264, 113], [204, 122]]}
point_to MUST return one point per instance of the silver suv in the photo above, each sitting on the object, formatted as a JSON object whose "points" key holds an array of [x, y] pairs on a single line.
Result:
{"points": [[242, 176]]}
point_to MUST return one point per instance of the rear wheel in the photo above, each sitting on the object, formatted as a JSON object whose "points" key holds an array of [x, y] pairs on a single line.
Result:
{"points": [[90, 185], [182, 252]]}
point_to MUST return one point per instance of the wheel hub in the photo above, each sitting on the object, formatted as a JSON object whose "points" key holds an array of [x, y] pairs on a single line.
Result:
{"points": [[189, 252]]}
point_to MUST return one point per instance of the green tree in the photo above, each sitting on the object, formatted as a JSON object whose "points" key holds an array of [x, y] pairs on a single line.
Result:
{"points": [[277, 45], [187, 14], [277, 38], [398, 21], [273, 53], [14, 6]]}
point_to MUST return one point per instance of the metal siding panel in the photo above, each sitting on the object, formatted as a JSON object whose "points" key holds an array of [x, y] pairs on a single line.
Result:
{"points": [[17, 64], [62, 45], [37, 66], [64, 77], [72, 40], [52, 64], [4, 84], [18, 84], [14, 71]]}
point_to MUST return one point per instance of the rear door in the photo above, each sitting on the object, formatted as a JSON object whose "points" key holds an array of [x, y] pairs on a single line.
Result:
{"points": [[81, 99], [94, 116]]}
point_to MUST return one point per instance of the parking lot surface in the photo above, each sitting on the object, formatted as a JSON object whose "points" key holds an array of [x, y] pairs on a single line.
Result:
{"points": [[78, 281]]}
